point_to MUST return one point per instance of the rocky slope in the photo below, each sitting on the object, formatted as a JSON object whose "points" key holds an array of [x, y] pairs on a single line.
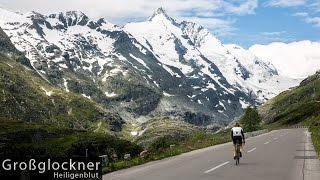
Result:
{"points": [[160, 67], [28, 97], [38, 119]]}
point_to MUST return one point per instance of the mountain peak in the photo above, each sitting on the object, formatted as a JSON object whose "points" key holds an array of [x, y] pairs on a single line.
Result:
{"points": [[160, 11], [8, 15], [75, 13], [68, 14]]}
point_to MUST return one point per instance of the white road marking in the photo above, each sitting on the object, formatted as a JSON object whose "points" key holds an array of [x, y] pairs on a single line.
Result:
{"points": [[212, 169], [267, 142], [275, 138], [251, 150]]}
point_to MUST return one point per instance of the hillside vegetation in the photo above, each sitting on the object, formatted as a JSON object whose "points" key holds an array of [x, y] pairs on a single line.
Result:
{"points": [[39, 120], [21, 139], [298, 106], [25, 96], [251, 120]]}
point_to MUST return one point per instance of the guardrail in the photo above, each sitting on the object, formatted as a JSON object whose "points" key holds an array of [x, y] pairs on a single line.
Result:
{"points": [[255, 133], [298, 126], [104, 159]]}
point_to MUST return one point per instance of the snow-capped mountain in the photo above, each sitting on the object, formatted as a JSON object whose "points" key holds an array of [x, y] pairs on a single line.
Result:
{"points": [[264, 78], [288, 57], [175, 43], [160, 67]]}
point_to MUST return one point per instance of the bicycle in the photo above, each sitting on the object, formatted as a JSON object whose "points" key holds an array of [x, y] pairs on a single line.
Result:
{"points": [[237, 156]]}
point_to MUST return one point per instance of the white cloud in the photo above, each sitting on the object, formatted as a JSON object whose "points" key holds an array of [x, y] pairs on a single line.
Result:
{"points": [[295, 59], [308, 19], [209, 13], [117, 10], [285, 3], [218, 26], [315, 6], [301, 14], [275, 36], [275, 33], [246, 7], [313, 20], [245, 39]]}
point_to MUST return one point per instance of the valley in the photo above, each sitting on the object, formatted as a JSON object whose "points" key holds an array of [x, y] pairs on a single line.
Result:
{"points": [[72, 84]]}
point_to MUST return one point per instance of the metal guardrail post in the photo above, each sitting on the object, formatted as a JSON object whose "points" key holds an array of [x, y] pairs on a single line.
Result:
{"points": [[105, 159], [255, 133]]}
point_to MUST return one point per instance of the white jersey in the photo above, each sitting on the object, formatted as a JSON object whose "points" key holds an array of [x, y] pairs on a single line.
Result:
{"points": [[236, 131]]}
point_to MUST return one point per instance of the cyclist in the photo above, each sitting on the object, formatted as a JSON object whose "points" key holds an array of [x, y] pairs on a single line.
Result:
{"points": [[237, 135]]}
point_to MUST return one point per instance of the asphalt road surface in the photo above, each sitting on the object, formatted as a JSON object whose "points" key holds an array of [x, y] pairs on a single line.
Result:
{"points": [[286, 154]]}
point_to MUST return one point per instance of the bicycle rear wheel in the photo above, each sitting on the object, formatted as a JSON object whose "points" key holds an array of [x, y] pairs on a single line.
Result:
{"points": [[237, 153]]}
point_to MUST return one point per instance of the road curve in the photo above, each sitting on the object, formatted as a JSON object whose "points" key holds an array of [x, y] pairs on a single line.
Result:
{"points": [[285, 154]]}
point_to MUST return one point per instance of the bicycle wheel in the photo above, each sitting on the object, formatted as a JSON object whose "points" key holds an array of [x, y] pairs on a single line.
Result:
{"points": [[237, 153], [237, 160]]}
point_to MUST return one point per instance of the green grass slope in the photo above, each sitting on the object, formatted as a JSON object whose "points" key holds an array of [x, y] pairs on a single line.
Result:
{"points": [[26, 96], [37, 119], [296, 105]]}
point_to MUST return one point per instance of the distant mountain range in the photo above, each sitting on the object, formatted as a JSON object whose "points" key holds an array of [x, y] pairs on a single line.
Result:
{"points": [[145, 70]]}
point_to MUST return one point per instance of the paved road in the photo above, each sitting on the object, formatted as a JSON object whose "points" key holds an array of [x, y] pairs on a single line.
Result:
{"points": [[277, 155]]}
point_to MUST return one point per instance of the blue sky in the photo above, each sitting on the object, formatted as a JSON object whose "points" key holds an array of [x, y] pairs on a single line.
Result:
{"points": [[243, 22], [274, 23]]}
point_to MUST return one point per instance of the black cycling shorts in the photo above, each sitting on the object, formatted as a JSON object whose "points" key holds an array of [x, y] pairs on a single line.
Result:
{"points": [[237, 138]]}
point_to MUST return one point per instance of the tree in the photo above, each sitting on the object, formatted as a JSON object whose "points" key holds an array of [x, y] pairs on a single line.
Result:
{"points": [[250, 120]]}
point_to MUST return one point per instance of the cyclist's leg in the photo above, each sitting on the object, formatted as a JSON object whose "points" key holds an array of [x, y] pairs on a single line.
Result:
{"points": [[234, 147], [241, 145], [234, 150]]}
